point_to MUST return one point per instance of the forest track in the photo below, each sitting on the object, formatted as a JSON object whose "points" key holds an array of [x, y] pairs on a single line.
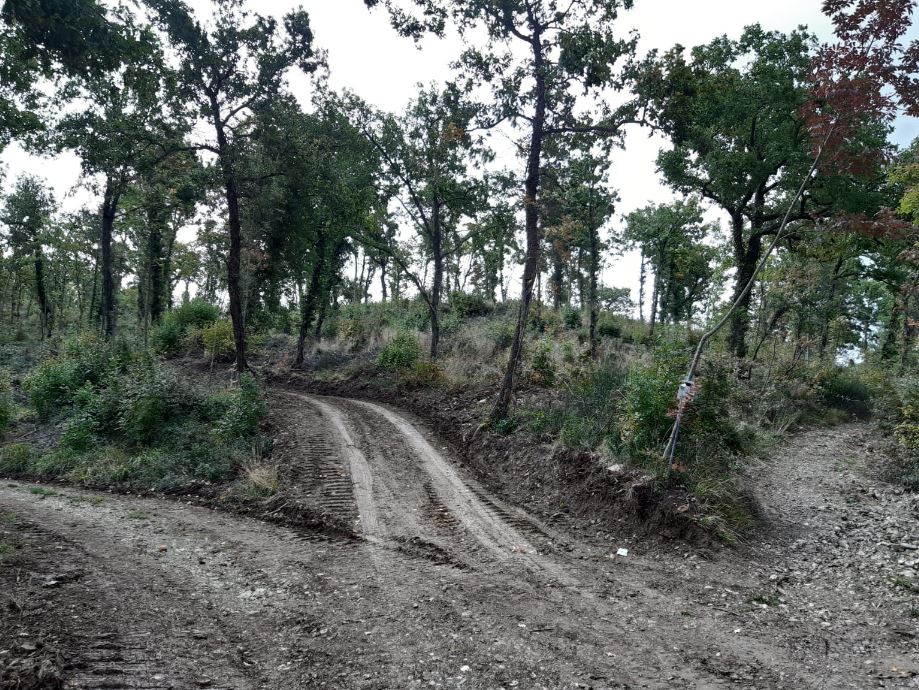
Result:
{"points": [[450, 587]]}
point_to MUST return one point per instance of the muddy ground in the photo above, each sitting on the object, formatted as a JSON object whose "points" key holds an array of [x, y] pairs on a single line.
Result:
{"points": [[428, 579]]}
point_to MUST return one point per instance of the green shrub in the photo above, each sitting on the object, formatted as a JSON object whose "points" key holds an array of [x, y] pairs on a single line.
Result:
{"points": [[845, 391], [571, 318], [907, 426], [466, 304], [413, 316], [543, 320], [217, 339], [568, 352], [6, 402], [608, 327], [170, 336], [649, 406], [15, 458], [149, 397], [503, 334], [85, 359], [243, 409], [424, 373], [542, 365], [167, 338], [587, 416], [196, 313], [401, 353], [450, 323], [353, 331]]}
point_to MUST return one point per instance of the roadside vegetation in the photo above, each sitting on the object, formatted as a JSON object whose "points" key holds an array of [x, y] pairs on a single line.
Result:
{"points": [[116, 417], [237, 235]]}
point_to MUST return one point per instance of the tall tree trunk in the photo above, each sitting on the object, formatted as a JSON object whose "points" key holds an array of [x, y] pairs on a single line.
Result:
{"points": [[746, 257], [308, 303], [41, 292], [655, 296], [642, 276], [907, 336], [531, 214], [889, 346], [168, 284], [156, 266], [383, 292], [828, 310], [438, 256], [92, 298], [110, 201], [592, 290], [557, 279], [234, 222]]}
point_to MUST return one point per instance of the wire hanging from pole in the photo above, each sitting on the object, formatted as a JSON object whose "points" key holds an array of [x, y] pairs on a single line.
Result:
{"points": [[689, 381]]}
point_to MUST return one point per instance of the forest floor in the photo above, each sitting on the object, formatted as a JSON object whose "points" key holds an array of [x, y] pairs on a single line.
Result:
{"points": [[430, 580]]}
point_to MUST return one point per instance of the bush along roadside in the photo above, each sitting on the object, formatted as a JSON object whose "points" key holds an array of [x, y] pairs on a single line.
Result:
{"points": [[625, 415], [129, 420]]}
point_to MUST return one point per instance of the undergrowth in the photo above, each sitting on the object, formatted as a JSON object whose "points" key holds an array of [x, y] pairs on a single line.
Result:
{"points": [[129, 419]]}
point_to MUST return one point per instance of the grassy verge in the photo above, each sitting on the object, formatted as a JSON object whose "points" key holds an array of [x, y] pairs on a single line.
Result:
{"points": [[129, 420]]}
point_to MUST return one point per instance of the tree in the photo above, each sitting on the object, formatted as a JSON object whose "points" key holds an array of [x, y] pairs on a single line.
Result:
{"points": [[323, 195], [540, 54], [732, 112], [26, 213], [126, 127], [226, 72], [162, 198], [670, 237], [47, 39], [425, 155], [585, 204]]}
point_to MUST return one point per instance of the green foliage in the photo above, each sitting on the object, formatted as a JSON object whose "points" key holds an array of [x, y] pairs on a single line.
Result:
{"points": [[353, 330], [450, 323], [401, 353], [466, 304], [241, 410], [84, 359], [6, 402], [608, 327], [908, 428], [129, 418], [424, 374], [571, 318], [649, 405], [649, 397], [15, 458], [503, 334], [217, 339], [171, 335], [845, 390], [587, 416], [542, 364]]}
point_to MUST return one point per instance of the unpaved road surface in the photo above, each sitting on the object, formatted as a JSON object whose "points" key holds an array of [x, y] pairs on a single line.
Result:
{"points": [[447, 587]]}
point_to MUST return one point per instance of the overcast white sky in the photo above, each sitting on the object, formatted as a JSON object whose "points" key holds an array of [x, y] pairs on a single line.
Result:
{"points": [[366, 56]]}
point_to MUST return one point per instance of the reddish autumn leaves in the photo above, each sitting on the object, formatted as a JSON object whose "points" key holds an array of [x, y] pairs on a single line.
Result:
{"points": [[867, 75]]}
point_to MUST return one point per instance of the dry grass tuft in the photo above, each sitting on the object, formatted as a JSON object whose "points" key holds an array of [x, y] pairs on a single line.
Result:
{"points": [[263, 477]]}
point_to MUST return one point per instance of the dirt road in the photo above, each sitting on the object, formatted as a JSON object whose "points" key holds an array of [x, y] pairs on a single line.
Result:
{"points": [[448, 587]]}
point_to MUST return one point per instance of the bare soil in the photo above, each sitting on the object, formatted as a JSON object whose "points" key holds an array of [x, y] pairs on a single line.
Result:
{"points": [[430, 579]]}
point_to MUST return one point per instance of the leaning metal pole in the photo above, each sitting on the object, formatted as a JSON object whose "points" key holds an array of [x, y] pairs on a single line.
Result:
{"points": [[683, 392]]}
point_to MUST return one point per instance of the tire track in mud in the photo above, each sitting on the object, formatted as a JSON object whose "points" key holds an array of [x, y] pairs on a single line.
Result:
{"points": [[361, 476], [475, 518], [507, 536], [493, 527]]}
